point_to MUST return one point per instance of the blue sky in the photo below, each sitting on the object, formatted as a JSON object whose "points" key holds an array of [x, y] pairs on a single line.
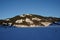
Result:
{"points": [[10, 8]]}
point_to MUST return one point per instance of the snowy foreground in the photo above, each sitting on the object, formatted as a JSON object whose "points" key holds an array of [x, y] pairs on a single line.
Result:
{"points": [[51, 32], [35, 33]]}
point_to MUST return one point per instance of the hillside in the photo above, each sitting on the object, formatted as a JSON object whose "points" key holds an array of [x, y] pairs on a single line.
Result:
{"points": [[29, 20]]}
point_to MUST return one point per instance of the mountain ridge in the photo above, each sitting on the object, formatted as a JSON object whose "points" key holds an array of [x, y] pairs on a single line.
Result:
{"points": [[29, 20]]}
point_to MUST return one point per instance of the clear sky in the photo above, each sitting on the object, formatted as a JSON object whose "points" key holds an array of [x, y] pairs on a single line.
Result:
{"points": [[10, 8]]}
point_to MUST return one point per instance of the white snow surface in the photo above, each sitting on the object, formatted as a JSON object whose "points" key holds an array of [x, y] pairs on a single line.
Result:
{"points": [[28, 20], [19, 21], [36, 19]]}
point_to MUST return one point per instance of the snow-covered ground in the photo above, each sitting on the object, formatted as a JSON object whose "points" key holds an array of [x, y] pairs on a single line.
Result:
{"points": [[51, 32], [35, 33]]}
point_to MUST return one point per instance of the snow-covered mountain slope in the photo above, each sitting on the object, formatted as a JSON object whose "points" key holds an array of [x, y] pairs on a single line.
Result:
{"points": [[29, 20]]}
